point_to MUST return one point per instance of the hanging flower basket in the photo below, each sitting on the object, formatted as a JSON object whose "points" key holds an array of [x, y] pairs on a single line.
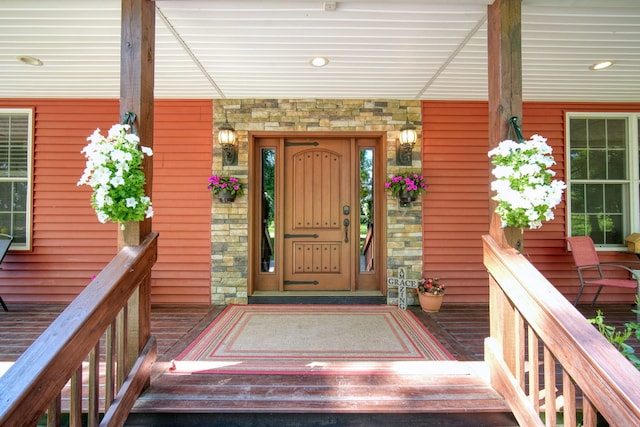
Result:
{"points": [[114, 171], [406, 187], [525, 189], [411, 183], [226, 188]]}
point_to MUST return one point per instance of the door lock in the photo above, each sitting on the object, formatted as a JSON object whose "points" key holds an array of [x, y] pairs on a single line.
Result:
{"points": [[346, 210]]}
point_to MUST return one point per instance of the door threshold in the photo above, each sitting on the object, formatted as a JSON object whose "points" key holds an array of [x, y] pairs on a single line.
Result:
{"points": [[317, 297]]}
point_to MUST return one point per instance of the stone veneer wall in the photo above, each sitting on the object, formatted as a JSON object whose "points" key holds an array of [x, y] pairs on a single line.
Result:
{"points": [[229, 232]]}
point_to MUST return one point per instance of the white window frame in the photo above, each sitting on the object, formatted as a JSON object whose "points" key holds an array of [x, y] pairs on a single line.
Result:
{"points": [[633, 150], [29, 178]]}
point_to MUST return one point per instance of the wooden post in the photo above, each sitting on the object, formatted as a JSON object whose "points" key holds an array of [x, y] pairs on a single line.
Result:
{"points": [[505, 101], [137, 61], [137, 57], [504, 37]]}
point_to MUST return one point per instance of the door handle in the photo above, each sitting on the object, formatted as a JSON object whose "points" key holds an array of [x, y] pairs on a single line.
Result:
{"points": [[346, 230]]}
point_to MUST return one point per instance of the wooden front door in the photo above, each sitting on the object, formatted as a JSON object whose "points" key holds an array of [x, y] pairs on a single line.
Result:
{"points": [[314, 200], [318, 221]]}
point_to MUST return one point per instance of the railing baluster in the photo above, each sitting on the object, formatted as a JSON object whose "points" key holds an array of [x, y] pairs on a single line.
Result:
{"points": [[93, 411], [75, 399], [589, 413], [133, 328], [534, 369], [519, 341], [121, 348], [54, 413], [109, 377], [569, 400], [549, 388]]}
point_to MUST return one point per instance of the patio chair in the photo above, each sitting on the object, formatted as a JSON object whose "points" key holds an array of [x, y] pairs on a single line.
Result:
{"points": [[5, 242], [591, 271]]}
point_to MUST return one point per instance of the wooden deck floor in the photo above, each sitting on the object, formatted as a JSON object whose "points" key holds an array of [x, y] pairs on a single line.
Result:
{"points": [[461, 329]]}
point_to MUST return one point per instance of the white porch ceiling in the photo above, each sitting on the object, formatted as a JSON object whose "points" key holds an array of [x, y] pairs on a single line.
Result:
{"points": [[406, 49]]}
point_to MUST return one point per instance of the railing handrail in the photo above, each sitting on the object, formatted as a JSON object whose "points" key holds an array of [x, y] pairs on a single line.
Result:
{"points": [[39, 374], [610, 382]]}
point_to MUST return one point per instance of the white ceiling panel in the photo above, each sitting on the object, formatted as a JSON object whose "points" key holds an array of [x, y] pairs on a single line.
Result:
{"points": [[412, 49]]}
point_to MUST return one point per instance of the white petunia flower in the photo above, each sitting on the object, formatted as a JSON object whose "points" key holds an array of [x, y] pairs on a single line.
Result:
{"points": [[100, 196], [530, 169], [95, 137], [502, 171], [101, 176], [132, 137], [120, 156], [117, 130], [102, 217], [116, 181]]}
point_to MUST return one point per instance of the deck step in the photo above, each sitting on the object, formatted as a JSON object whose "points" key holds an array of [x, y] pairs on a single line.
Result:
{"points": [[324, 420], [441, 387]]}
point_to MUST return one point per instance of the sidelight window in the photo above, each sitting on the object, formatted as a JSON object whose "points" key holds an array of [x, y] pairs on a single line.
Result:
{"points": [[267, 245], [366, 210]]}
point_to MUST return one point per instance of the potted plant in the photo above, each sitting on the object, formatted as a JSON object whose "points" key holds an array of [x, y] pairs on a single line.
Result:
{"points": [[114, 171], [227, 188], [430, 294], [406, 187]]}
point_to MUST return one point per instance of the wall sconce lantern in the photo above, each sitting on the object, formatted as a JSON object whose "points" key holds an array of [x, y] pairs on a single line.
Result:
{"points": [[404, 149], [227, 139]]}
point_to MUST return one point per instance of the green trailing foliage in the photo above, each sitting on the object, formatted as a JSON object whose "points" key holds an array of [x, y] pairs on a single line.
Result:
{"points": [[618, 338]]}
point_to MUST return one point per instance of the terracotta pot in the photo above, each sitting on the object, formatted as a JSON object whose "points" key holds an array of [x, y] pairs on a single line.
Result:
{"points": [[429, 302], [226, 197]]}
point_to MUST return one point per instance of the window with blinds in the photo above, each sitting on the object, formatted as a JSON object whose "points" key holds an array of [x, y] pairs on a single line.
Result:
{"points": [[15, 175]]}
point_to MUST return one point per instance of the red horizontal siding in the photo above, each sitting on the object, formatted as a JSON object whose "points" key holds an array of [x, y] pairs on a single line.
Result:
{"points": [[70, 245], [456, 210], [183, 146]]}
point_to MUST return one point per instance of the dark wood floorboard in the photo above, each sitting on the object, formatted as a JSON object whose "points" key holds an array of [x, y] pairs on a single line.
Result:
{"points": [[460, 328]]}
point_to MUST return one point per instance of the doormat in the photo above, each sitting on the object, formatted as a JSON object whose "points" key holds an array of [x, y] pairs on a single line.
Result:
{"points": [[311, 339]]}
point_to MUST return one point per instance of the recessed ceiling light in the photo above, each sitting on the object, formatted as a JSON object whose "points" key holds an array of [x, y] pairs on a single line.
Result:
{"points": [[601, 65], [319, 61], [30, 60]]}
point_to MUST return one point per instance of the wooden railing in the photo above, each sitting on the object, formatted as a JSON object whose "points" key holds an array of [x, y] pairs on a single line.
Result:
{"points": [[545, 358], [113, 312]]}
